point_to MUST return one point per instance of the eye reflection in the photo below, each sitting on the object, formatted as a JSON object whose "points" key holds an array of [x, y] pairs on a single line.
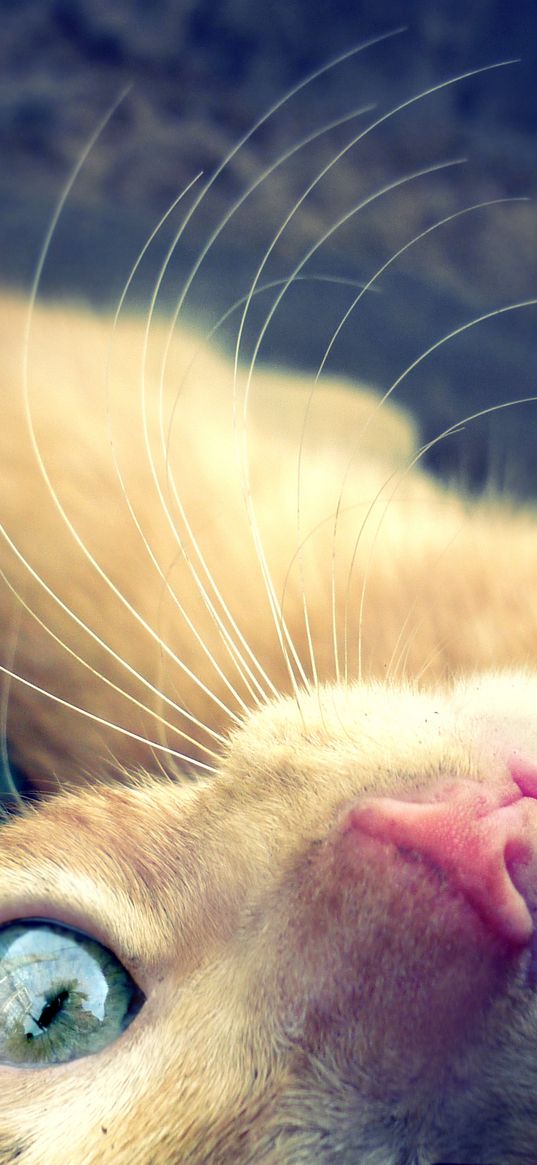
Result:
{"points": [[62, 995]]}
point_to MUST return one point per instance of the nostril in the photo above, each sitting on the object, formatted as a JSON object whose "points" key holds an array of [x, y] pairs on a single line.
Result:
{"points": [[484, 839]]}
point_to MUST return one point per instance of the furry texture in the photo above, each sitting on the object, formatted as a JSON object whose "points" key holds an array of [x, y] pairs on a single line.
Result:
{"points": [[313, 994]]}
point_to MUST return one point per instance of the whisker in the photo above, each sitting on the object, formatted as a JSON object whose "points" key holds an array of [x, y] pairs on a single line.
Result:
{"points": [[148, 244], [119, 308], [246, 671], [397, 255], [246, 301], [110, 651], [458, 426], [165, 580], [8, 785], [110, 683], [459, 331], [54, 497], [400, 648], [35, 285], [102, 574], [394, 184], [434, 654], [326, 235], [60, 206], [452, 429], [368, 515], [272, 284], [448, 432], [226, 635], [285, 642], [181, 300], [338, 123], [367, 287], [227, 160], [379, 121], [153, 744], [287, 97], [391, 113]]}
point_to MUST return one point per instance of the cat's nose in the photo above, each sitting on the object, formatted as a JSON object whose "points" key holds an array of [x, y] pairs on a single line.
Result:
{"points": [[483, 838]]}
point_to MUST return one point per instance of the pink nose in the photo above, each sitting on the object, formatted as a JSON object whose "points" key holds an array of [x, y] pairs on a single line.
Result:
{"points": [[483, 837]]}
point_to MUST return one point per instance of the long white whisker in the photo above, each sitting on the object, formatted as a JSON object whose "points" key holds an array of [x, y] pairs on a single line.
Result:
{"points": [[8, 785], [295, 208], [279, 622], [397, 255], [107, 723], [233, 210], [119, 475], [435, 653], [340, 222], [25, 378], [119, 595], [459, 331], [401, 645], [180, 607], [390, 114], [273, 109], [59, 208], [105, 646], [273, 284], [119, 308], [22, 604], [265, 117], [367, 287], [458, 426], [240, 663], [219, 323], [148, 244], [99, 570], [450, 431], [379, 121], [369, 512]]}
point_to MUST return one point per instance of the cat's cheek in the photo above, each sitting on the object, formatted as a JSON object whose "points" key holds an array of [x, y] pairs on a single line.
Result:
{"points": [[393, 967], [86, 1099], [82, 1096]]}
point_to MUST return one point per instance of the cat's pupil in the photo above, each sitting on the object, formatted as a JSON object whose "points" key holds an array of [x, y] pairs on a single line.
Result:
{"points": [[52, 1009], [62, 995]]}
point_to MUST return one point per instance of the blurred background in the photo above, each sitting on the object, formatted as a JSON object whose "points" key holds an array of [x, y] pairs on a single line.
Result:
{"points": [[199, 76]]}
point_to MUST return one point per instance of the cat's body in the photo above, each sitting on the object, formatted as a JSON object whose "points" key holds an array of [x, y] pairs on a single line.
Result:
{"points": [[250, 581]]}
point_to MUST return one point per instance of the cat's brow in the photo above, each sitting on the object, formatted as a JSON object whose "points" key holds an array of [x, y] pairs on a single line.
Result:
{"points": [[45, 889]]}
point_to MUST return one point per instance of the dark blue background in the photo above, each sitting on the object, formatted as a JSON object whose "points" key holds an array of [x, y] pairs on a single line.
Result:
{"points": [[201, 74]]}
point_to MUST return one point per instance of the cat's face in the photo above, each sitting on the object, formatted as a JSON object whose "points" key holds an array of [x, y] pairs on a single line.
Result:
{"points": [[325, 952], [335, 941]]}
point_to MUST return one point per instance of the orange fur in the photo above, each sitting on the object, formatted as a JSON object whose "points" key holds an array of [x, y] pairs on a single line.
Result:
{"points": [[305, 1002]]}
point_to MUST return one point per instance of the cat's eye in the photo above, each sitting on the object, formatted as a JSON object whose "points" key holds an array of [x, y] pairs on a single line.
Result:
{"points": [[62, 995]]}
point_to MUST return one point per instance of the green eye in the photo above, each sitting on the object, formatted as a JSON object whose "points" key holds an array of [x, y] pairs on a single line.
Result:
{"points": [[62, 995]]}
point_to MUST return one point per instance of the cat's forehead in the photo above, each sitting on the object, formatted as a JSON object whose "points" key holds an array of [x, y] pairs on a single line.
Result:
{"points": [[370, 735]]}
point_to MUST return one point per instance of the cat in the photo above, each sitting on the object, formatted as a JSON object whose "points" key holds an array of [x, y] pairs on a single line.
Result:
{"points": [[271, 895]]}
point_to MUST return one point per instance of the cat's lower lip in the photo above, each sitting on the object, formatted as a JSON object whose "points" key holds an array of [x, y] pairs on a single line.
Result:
{"points": [[483, 838]]}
